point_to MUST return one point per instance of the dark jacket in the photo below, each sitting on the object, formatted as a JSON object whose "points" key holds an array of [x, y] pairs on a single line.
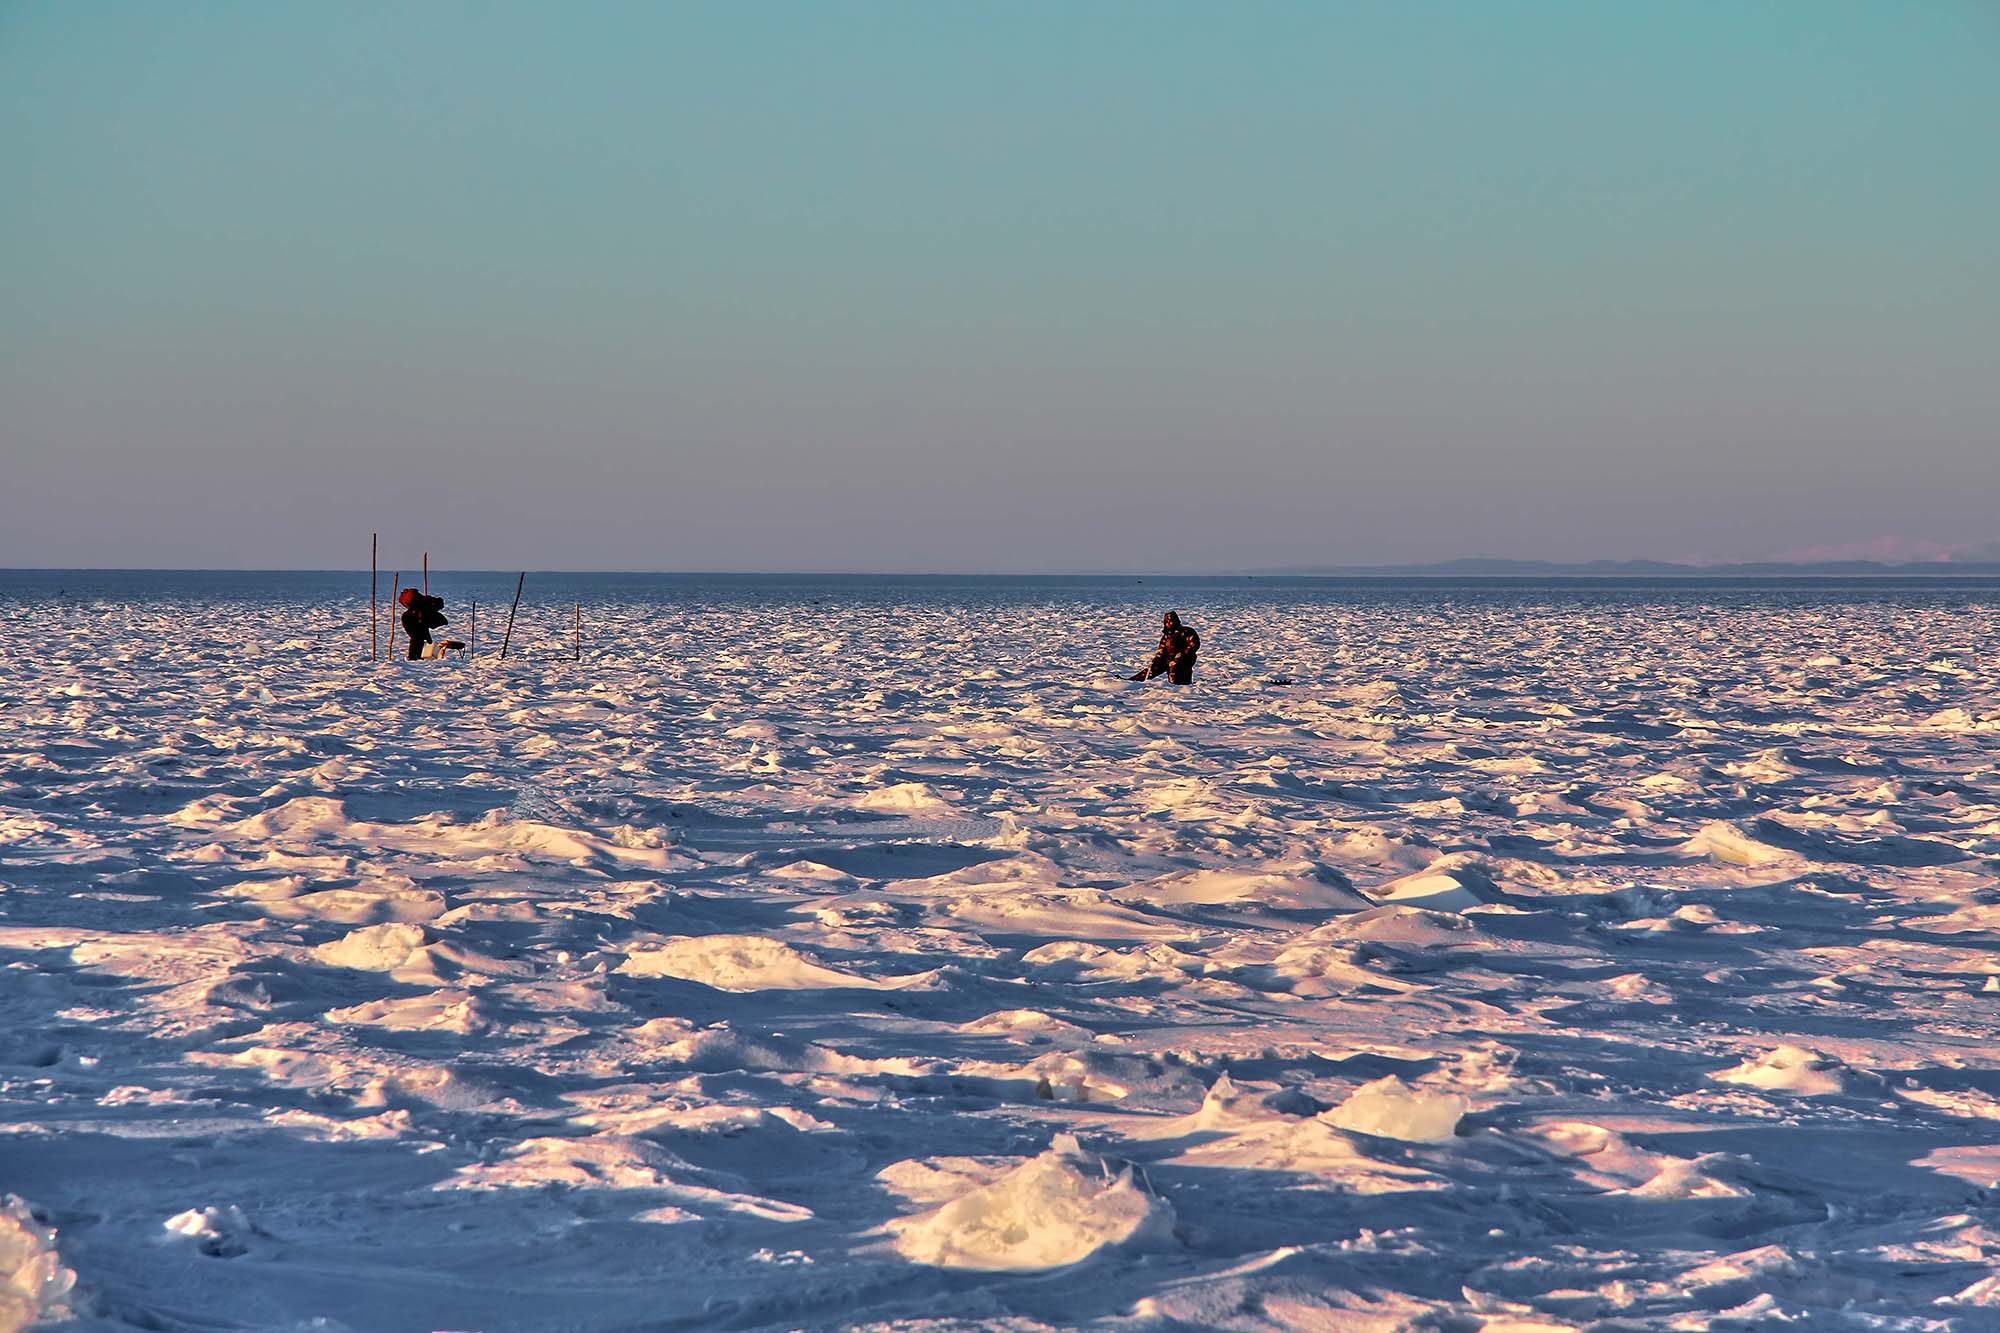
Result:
{"points": [[1174, 658], [420, 617]]}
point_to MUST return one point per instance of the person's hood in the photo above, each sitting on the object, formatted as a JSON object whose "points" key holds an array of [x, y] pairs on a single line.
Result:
{"points": [[1173, 620]]}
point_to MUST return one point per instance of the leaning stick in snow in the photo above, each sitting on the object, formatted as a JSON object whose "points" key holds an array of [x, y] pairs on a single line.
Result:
{"points": [[395, 591], [508, 637], [579, 631], [374, 604], [475, 629], [427, 573]]}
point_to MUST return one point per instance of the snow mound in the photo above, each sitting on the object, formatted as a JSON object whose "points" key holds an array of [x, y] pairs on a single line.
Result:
{"points": [[1050, 1212], [220, 1233], [1985, 1294], [1230, 1105], [1637, 988], [721, 1049], [1704, 1177], [605, 1161], [436, 1011], [1318, 889], [1724, 845], [382, 948], [33, 1281], [299, 819], [737, 963], [1800, 1071], [350, 907], [1444, 887], [612, 1162], [1093, 962], [905, 798], [1406, 926], [1364, 950], [1389, 1108], [1313, 971], [1030, 1025]]}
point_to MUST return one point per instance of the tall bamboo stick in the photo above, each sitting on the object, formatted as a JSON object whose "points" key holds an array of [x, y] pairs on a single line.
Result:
{"points": [[508, 637], [427, 573], [374, 608], [395, 591], [475, 629], [579, 631]]}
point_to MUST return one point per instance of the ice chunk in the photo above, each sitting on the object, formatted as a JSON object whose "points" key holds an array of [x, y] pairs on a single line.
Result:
{"points": [[1054, 1210], [1725, 845], [1389, 1108], [1799, 1070], [220, 1233], [382, 948], [34, 1284]]}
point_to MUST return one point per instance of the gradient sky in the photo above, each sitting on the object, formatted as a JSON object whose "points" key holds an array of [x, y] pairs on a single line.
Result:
{"points": [[1009, 286]]}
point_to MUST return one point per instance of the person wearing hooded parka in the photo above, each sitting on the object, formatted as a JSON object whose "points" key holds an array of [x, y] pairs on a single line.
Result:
{"points": [[1174, 658]]}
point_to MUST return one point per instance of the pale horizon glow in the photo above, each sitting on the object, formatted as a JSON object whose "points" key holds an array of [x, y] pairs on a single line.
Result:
{"points": [[1035, 288]]}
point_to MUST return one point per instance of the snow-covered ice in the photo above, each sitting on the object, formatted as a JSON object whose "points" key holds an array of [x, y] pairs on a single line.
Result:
{"points": [[829, 954]]}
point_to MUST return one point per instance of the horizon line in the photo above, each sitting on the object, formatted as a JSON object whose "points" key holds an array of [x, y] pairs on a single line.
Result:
{"points": [[1442, 570]]}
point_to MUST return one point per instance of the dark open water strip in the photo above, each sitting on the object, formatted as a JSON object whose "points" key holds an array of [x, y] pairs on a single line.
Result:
{"points": [[24, 589]]}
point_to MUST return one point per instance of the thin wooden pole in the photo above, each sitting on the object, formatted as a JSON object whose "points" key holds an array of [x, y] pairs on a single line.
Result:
{"points": [[427, 573], [508, 637], [395, 591], [374, 602], [579, 631], [475, 628]]}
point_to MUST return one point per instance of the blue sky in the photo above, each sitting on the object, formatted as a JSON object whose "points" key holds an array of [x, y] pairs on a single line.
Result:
{"points": [[1003, 287]]}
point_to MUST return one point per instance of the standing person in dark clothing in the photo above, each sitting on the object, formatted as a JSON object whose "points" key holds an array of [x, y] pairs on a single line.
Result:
{"points": [[1174, 658], [421, 615]]}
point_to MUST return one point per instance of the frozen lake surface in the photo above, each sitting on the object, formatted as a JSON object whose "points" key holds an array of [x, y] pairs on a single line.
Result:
{"points": [[868, 952]]}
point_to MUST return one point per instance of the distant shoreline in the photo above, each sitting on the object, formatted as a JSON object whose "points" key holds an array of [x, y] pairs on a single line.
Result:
{"points": [[1648, 569]]}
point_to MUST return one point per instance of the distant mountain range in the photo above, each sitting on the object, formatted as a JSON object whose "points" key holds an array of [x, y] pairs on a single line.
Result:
{"points": [[1477, 568]]}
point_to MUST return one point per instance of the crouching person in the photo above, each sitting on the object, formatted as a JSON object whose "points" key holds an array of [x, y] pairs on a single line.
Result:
{"points": [[423, 613], [1174, 658]]}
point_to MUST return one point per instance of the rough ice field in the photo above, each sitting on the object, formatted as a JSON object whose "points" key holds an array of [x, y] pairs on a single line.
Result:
{"points": [[1443, 960]]}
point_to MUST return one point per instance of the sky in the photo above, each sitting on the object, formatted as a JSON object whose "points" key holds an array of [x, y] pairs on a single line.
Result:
{"points": [[1008, 287]]}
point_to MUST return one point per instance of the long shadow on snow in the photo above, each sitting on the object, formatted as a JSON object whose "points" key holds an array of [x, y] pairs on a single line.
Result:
{"points": [[442, 792], [431, 1259], [1544, 1210], [1883, 851]]}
